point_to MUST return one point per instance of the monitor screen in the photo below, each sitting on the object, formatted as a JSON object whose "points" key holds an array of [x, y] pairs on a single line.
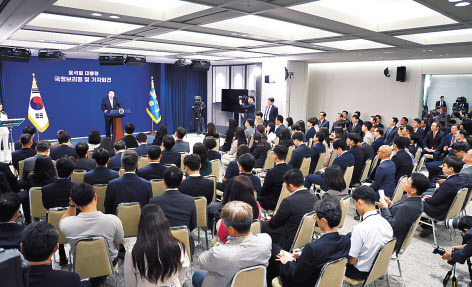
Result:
{"points": [[230, 99]]}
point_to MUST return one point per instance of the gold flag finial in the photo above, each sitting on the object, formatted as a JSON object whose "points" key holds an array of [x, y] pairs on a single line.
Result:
{"points": [[33, 74]]}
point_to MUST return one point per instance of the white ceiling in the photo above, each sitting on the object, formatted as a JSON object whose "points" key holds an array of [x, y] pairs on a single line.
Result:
{"points": [[241, 30]]}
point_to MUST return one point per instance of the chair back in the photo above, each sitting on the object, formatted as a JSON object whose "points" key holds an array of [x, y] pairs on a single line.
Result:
{"points": [[468, 198], [289, 153], [348, 175], [100, 191], [276, 141], [332, 157], [53, 216], [251, 276], [122, 172], [181, 233], [284, 193], [398, 193], [158, 187], [332, 273], [305, 231], [217, 144], [215, 168], [143, 162], [201, 205], [319, 164], [420, 165], [36, 203], [305, 167], [365, 171], [251, 142], [214, 179], [91, 258], [182, 156], [256, 227], [269, 161], [310, 143], [129, 214], [21, 165], [78, 176], [418, 154], [90, 154], [373, 165], [409, 236], [344, 208], [456, 205], [382, 259]]}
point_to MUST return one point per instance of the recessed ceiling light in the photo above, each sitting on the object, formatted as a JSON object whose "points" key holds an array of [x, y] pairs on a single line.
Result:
{"points": [[244, 35], [455, 0], [423, 50], [462, 4], [430, 50], [114, 17], [235, 34], [96, 14]]}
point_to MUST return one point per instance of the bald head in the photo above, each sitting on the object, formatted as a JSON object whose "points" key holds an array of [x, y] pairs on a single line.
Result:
{"points": [[385, 152], [237, 214]]}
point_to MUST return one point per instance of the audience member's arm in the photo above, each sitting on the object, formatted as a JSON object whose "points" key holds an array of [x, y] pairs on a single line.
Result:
{"points": [[71, 211], [281, 215], [301, 270], [119, 232], [193, 218], [209, 261], [399, 221], [379, 175], [4, 186], [461, 255], [184, 259], [267, 186], [440, 195], [356, 246]]}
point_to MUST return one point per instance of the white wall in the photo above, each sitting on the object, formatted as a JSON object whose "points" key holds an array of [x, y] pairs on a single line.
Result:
{"points": [[274, 67], [299, 91], [451, 87], [362, 86]]}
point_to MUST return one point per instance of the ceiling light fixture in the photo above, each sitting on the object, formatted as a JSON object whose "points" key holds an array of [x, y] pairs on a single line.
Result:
{"points": [[462, 4], [114, 17], [244, 35], [96, 14], [455, 0]]}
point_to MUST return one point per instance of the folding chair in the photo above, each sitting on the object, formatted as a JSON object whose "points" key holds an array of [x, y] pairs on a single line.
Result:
{"points": [[202, 220], [348, 175], [53, 216], [215, 168], [305, 231], [36, 203], [256, 227], [268, 163], [373, 165], [344, 208], [158, 187], [305, 167], [467, 201], [182, 166], [289, 153], [129, 214], [121, 172], [182, 234], [213, 178], [418, 154], [379, 267], [21, 165], [284, 193], [276, 141], [90, 154], [78, 176], [319, 164], [365, 171], [406, 243], [251, 142], [420, 164], [310, 143], [100, 191], [332, 157], [250, 276], [143, 162], [398, 193]]}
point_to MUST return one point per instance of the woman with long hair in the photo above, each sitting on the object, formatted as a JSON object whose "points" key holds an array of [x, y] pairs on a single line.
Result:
{"points": [[285, 138], [241, 190], [270, 132], [94, 139], [289, 123], [261, 129], [239, 139], [233, 124], [160, 134], [259, 150], [302, 125], [107, 144], [157, 258], [334, 178], [326, 143], [211, 131], [200, 150]]}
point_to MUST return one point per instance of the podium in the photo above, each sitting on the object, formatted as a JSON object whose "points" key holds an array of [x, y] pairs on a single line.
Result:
{"points": [[117, 116], [11, 123]]}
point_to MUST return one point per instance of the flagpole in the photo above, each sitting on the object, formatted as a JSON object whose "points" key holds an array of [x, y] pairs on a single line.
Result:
{"points": [[152, 122]]}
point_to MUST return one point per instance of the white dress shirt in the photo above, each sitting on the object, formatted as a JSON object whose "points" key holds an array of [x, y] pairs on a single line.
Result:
{"points": [[111, 102]]}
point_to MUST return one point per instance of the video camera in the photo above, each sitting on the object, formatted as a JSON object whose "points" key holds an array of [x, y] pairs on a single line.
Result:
{"points": [[13, 268]]}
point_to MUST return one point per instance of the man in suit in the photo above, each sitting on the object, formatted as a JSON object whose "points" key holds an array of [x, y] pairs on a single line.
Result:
{"points": [[378, 120], [402, 214], [317, 149], [279, 125], [358, 114], [27, 130], [249, 131], [10, 231], [180, 145], [169, 156], [417, 129], [82, 161], [310, 133], [338, 123], [434, 141], [25, 152], [300, 152], [210, 144], [108, 104], [243, 250], [352, 141], [343, 160], [270, 112], [466, 171], [38, 245], [402, 159], [42, 150], [100, 174], [441, 103], [274, 179], [284, 224], [129, 139], [356, 126], [246, 164], [366, 130], [129, 187], [391, 132], [64, 147], [154, 170], [379, 140], [115, 161], [385, 173], [450, 140], [249, 109], [142, 148], [367, 150], [196, 185], [323, 122]]}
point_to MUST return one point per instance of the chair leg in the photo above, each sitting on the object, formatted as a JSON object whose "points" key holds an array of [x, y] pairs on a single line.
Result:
{"points": [[434, 232], [198, 230], [388, 282], [206, 236], [399, 267]]}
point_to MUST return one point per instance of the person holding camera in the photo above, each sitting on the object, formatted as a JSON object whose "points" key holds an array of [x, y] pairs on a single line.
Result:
{"points": [[249, 108], [459, 254]]}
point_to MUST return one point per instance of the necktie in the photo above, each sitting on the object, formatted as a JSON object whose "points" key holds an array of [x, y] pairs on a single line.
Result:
{"points": [[453, 140], [111, 103], [266, 116], [434, 135]]}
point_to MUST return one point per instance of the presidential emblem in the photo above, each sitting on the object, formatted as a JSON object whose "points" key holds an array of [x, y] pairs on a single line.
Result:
{"points": [[121, 111]]}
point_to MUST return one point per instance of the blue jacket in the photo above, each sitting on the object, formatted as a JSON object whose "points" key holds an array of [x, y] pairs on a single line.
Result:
{"points": [[316, 150], [106, 106], [390, 134], [437, 143], [438, 205], [115, 161], [344, 160], [323, 124], [377, 144], [385, 178], [358, 163], [152, 171], [128, 188], [403, 164], [58, 152], [298, 154], [142, 150], [100, 175], [310, 133], [277, 130]]}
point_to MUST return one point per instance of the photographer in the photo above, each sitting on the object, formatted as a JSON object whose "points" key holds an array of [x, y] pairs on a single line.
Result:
{"points": [[249, 108], [198, 114], [463, 252]]}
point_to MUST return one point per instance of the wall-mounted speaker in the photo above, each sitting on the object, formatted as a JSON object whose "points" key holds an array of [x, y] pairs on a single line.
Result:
{"points": [[268, 79], [386, 72], [401, 74]]}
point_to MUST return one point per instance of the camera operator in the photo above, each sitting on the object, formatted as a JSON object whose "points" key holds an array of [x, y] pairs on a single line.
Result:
{"points": [[198, 114], [249, 108], [463, 252]]}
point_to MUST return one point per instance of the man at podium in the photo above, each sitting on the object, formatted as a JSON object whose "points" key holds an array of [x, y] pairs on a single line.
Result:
{"points": [[109, 103]]}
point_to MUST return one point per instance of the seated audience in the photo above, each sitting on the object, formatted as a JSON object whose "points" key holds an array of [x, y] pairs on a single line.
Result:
{"points": [[391, 131], [283, 226], [196, 185], [211, 131], [129, 187], [206, 166], [434, 141], [10, 231], [274, 179], [57, 193], [169, 262], [285, 138], [25, 152], [169, 156], [367, 150], [270, 132], [366, 237], [27, 130], [335, 183], [154, 170], [246, 164], [311, 124], [356, 126], [64, 148], [297, 128], [413, 147], [82, 161], [300, 152], [107, 144], [259, 150], [385, 173], [142, 148], [379, 140], [434, 168], [289, 123], [180, 146], [232, 125], [58, 135], [42, 151], [249, 131], [101, 174], [402, 214], [239, 139], [352, 141], [279, 124], [115, 161], [258, 121], [38, 244], [210, 144], [94, 139], [368, 136], [160, 134], [129, 139], [232, 169], [402, 159], [243, 250], [317, 149]]}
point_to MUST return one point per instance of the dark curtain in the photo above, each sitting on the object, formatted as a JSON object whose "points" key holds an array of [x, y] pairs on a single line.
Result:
{"points": [[1, 85], [179, 86]]}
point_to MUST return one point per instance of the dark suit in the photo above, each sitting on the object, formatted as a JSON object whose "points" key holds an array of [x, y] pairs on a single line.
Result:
{"points": [[367, 152], [198, 186], [310, 133], [11, 178], [181, 146], [57, 194], [179, 208], [10, 235], [115, 161], [154, 170], [278, 129], [142, 150], [323, 123], [420, 132], [17, 145], [128, 188], [170, 157], [21, 154], [100, 175], [45, 276], [304, 272], [298, 154], [437, 143], [390, 134], [213, 154], [413, 149], [356, 129], [401, 215], [403, 164], [85, 164], [130, 141], [377, 144], [438, 205], [256, 184], [62, 150], [106, 106], [316, 150], [385, 178], [283, 226], [272, 187], [260, 154], [358, 163], [344, 160], [270, 113], [249, 111], [441, 104]]}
